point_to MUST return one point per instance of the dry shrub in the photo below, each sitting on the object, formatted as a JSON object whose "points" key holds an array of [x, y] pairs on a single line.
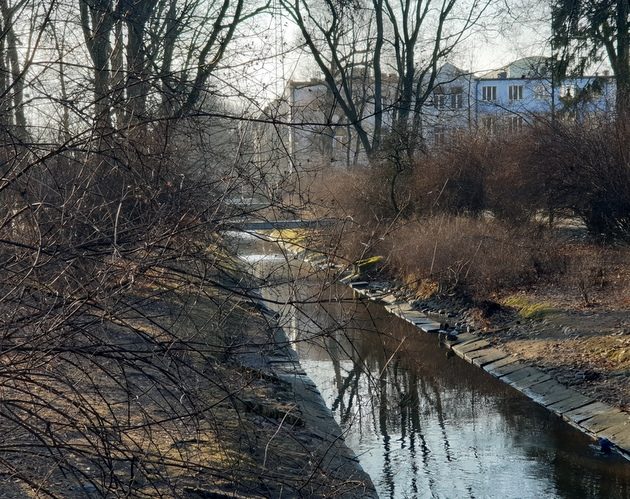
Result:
{"points": [[477, 174], [471, 256], [468, 223], [599, 274], [582, 170], [98, 381], [514, 192], [452, 180], [360, 204], [585, 168], [360, 194]]}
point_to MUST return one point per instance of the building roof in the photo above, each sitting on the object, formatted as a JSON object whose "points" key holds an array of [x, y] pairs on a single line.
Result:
{"points": [[526, 67]]}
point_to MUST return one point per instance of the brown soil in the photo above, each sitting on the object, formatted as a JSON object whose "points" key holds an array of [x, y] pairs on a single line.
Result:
{"points": [[586, 347]]}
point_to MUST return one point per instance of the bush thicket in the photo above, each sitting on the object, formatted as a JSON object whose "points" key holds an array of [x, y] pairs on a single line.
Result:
{"points": [[473, 215]]}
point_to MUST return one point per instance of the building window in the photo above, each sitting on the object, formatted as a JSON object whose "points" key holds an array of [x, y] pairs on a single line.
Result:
{"points": [[540, 92], [453, 99], [515, 124], [440, 100], [489, 93], [439, 135], [515, 92], [457, 97], [489, 124]]}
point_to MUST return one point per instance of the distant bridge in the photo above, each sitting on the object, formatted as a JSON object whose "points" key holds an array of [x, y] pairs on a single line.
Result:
{"points": [[254, 225]]}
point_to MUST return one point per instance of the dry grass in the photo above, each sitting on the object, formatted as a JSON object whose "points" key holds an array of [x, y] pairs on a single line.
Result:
{"points": [[446, 254], [474, 214]]}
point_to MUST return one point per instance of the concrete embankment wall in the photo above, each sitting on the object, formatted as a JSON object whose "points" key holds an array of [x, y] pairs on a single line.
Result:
{"points": [[320, 434]]}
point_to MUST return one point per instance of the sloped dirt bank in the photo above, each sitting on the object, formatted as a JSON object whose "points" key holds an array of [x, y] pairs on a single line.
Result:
{"points": [[178, 386]]}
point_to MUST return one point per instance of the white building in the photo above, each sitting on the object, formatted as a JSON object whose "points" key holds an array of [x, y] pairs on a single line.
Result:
{"points": [[306, 128]]}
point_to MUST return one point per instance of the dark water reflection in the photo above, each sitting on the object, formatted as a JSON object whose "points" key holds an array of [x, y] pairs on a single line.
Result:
{"points": [[426, 424]]}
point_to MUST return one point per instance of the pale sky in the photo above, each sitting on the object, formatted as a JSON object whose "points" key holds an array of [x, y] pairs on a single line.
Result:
{"points": [[512, 29]]}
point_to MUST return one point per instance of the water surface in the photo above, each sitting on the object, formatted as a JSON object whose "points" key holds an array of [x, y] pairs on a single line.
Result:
{"points": [[425, 423]]}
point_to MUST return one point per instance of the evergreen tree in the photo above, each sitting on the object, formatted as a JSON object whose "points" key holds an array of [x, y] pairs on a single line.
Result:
{"points": [[584, 31]]}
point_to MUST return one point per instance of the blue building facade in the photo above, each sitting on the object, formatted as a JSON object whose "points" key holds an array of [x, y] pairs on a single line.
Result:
{"points": [[520, 94], [305, 127]]}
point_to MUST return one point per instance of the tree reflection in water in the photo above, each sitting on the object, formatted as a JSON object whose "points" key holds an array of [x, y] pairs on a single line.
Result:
{"points": [[427, 425], [435, 426]]}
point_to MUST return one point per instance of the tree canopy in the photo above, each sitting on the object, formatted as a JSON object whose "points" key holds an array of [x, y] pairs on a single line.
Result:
{"points": [[584, 32]]}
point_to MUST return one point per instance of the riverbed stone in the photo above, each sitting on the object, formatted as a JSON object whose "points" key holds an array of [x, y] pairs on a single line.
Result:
{"points": [[406, 307], [588, 411], [616, 433], [389, 299], [622, 440], [487, 356], [466, 337], [606, 420], [505, 361], [524, 383], [549, 392], [410, 315], [509, 369], [525, 377], [358, 284], [419, 322], [575, 401], [463, 348], [429, 327]]}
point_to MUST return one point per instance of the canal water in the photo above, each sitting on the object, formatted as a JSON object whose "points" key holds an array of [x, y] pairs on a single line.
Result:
{"points": [[424, 423]]}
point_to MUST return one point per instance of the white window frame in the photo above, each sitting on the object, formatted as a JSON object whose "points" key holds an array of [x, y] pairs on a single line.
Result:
{"points": [[489, 93], [457, 99], [515, 124], [515, 92], [489, 124], [439, 135], [440, 100]]}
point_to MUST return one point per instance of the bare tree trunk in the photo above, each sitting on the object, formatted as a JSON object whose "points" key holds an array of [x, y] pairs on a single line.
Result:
{"points": [[17, 76], [378, 75], [136, 18], [338, 79], [622, 60], [5, 116], [65, 116], [118, 76], [167, 82], [97, 21]]}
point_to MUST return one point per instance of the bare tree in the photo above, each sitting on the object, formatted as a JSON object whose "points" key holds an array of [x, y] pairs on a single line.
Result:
{"points": [[16, 61], [117, 288], [332, 32], [412, 37]]}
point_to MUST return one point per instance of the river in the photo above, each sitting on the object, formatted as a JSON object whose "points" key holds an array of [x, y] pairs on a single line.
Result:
{"points": [[425, 423]]}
